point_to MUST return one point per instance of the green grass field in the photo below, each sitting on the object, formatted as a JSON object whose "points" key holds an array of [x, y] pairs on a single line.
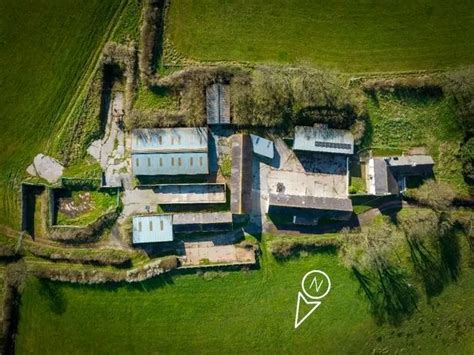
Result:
{"points": [[351, 36], [404, 122], [236, 312], [45, 49]]}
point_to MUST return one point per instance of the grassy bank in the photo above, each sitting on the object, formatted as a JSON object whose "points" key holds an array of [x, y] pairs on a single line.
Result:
{"points": [[351, 36], [236, 312], [45, 48]]}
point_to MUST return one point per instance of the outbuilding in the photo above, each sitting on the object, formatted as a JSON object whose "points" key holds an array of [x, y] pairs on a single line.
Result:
{"points": [[310, 209], [152, 229], [170, 151], [322, 139], [262, 147], [202, 222]]}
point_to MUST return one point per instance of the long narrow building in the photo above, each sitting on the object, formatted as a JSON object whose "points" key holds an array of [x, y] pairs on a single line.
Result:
{"points": [[170, 151]]}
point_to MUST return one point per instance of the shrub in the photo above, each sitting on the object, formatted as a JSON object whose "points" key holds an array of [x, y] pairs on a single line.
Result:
{"points": [[140, 119], [284, 249], [467, 159], [169, 262], [437, 195], [152, 17]]}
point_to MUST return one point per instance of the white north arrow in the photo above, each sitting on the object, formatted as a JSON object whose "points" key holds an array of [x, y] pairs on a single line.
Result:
{"points": [[314, 304]]}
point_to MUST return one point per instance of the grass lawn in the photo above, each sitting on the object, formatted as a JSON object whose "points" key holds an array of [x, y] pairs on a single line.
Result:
{"points": [[45, 49], [98, 203], [351, 36], [404, 122], [235, 312]]}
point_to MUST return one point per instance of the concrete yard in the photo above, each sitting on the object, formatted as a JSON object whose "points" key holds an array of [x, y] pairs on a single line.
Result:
{"points": [[307, 184], [206, 252]]}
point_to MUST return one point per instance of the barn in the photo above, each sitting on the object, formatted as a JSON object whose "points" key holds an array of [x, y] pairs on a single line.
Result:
{"points": [[170, 151], [322, 139], [152, 229]]}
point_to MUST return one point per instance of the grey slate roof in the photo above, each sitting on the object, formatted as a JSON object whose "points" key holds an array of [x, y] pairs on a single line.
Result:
{"points": [[322, 139], [410, 160], [262, 146], [311, 202], [383, 179], [241, 174], [407, 165], [202, 218]]}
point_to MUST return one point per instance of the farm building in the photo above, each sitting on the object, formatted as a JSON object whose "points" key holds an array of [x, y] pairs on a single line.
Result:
{"points": [[152, 229], [310, 209], [262, 147], [170, 151], [388, 175], [322, 139], [241, 174], [202, 222], [380, 180], [218, 104]]}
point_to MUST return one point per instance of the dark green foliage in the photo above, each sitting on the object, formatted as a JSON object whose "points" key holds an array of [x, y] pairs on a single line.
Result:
{"points": [[283, 249], [272, 96], [467, 158], [435, 194]]}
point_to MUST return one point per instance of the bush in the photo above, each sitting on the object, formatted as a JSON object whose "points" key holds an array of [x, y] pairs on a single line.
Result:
{"points": [[467, 159], [169, 263], [277, 96], [284, 249], [100, 257], [151, 22], [140, 119], [434, 194]]}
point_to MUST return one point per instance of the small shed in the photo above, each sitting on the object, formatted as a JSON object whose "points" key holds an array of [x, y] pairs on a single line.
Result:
{"points": [[380, 179], [322, 139], [262, 147], [152, 229], [218, 104], [411, 165]]}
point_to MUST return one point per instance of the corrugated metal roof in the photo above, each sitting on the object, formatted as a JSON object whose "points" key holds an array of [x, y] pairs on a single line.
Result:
{"points": [[218, 104], [152, 229], [165, 140], [262, 146], [170, 164], [202, 218], [311, 202], [323, 139]]}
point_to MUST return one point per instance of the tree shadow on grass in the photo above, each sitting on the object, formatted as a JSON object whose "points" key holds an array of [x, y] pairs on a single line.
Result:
{"points": [[391, 297], [54, 293], [450, 253], [427, 267]]}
